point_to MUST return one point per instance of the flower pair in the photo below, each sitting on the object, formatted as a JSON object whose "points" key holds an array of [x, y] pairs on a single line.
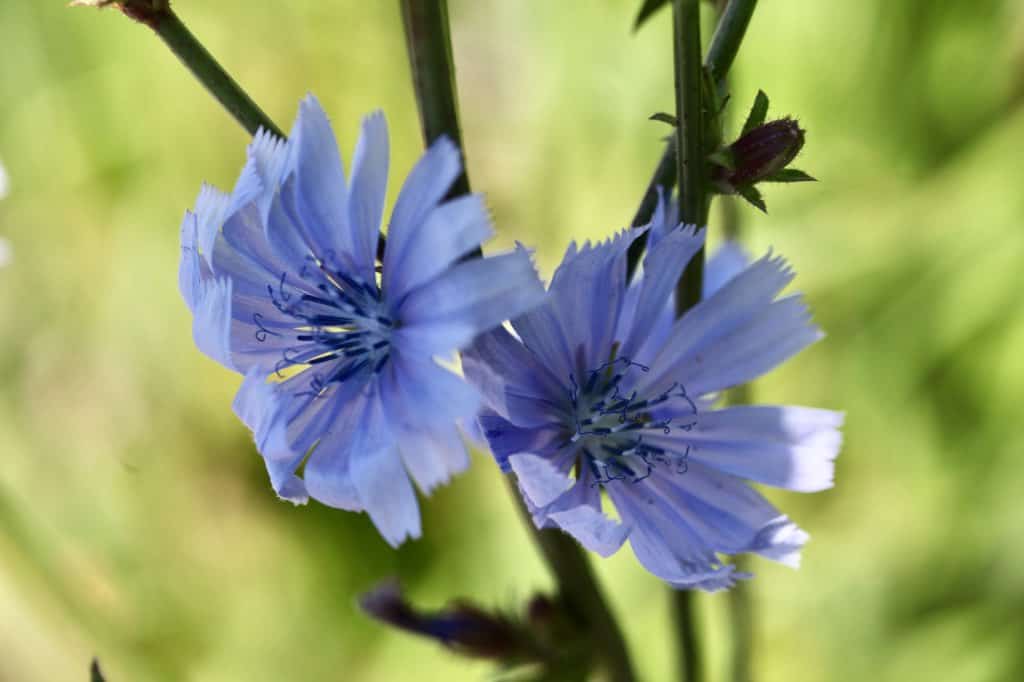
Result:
{"points": [[599, 389]]}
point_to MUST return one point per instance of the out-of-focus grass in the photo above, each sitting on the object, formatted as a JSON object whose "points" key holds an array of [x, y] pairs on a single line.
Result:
{"points": [[136, 520]]}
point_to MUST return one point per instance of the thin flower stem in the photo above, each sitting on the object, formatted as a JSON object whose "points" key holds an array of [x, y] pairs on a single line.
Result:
{"points": [[428, 41], [729, 33], [579, 591], [208, 72], [664, 177]]}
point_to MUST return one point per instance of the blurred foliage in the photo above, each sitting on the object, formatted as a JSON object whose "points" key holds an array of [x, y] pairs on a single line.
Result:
{"points": [[136, 523]]}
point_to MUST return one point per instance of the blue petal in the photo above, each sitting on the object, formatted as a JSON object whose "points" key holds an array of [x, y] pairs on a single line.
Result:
{"points": [[380, 480], [369, 186], [417, 393], [257, 405], [473, 297], [211, 324], [513, 382], [594, 530], [328, 473], [785, 447], [268, 161], [540, 482], [662, 268], [729, 260], [423, 189], [211, 210], [735, 335], [586, 295], [450, 231], [433, 456], [506, 438], [320, 180]]}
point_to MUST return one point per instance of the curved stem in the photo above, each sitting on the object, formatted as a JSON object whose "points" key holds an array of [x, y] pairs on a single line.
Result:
{"points": [[208, 72], [579, 591]]}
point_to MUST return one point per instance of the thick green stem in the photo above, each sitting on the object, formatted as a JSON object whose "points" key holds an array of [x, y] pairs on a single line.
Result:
{"points": [[691, 170], [579, 591], [208, 72], [428, 41]]}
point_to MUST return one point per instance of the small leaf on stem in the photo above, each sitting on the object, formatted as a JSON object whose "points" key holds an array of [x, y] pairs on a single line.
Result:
{"points": [[665, 117], [790, 175], [758, 113]]}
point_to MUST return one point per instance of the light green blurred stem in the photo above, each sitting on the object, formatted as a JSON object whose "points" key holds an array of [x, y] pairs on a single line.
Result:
{"points": [[729, 32], [428, 42], [208, 72]]}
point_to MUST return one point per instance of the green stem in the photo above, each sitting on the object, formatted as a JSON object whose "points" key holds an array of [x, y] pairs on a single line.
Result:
{"points": [[579, 591], [729, 32], [691, 171], [428, 41], [208, 72], [691, 168]]}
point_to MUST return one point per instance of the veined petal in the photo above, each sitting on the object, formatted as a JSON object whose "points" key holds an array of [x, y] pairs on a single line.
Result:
{"points": [[785, 447], [594, 530], [476, 295], [320, 180], [423, 189], [380, 480], [662, 268], [433, 456], [369, 186], [257, 405], [513, 382], [417, 393], [448, 232], [211, 325]]}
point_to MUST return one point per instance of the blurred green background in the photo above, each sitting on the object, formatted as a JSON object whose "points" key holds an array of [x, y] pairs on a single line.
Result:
{"points": [[136, 522]]}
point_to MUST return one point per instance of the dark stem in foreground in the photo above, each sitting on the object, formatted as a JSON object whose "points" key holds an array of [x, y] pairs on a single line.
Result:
{"points": [[158, 15], [579, 591], [428, 42]]}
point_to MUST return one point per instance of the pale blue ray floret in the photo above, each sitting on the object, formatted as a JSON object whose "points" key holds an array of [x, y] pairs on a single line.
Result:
{"points": [[342, 389], [602, 389]]}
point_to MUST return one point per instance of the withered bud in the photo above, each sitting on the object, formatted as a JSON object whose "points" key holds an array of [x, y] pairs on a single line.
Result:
{"points": [[757, 155], [461, 626], [148, 12]]}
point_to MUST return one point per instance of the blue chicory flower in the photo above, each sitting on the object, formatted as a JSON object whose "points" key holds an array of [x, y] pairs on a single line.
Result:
{"points": [[602, 388], [341, 379]]}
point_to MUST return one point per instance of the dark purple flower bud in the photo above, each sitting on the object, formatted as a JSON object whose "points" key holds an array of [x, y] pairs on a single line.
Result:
{"points": [[461, 626], [757, 155]]}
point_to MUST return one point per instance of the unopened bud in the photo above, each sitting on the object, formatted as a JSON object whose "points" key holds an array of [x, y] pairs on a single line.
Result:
{"points": [[757, 155]]}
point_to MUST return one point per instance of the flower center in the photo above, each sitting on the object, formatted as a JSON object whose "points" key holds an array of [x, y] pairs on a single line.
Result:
{"points": [[613, 427], [344, 326]]}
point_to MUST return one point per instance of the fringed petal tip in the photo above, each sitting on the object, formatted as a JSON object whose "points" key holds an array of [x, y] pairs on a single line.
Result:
{"points": [[780, 541]]}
